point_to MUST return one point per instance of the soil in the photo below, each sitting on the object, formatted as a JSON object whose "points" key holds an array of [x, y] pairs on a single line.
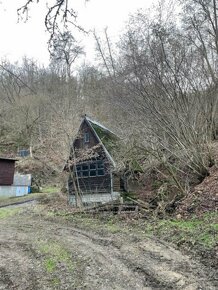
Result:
{"points": [[38, 251], [203, 198]]}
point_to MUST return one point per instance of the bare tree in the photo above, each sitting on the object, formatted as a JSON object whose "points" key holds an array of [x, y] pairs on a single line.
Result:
{"points": [[166, 91], [200, 22], [64, 51]]}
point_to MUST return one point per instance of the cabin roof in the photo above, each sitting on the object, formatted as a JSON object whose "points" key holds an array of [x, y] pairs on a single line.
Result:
{"points": [[105, 136], [93, 122], [107, 139], [8, 159]]}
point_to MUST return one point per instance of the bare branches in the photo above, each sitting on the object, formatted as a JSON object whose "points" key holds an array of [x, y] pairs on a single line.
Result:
{"points": [[17, 78], [64, 51], [24, 9], [58, 17], [170, 90]]}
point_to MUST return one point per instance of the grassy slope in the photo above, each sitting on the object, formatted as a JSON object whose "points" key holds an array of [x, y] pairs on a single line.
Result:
{"points": [[197, 235], [44, 193]]}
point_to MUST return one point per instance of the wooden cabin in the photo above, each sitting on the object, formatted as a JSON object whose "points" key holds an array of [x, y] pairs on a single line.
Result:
{"points": [[7, 169], [91, 167]]}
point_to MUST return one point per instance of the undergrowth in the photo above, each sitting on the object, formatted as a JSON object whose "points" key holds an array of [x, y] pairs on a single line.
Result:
{"points": [[194, 231], [202, 231]]}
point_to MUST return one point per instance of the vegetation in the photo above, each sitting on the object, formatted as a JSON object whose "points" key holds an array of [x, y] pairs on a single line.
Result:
{"points": [[195, 234], [58, 261], [156, 89], [50, 189], [54, 254], [4, 201], [7, 212]]}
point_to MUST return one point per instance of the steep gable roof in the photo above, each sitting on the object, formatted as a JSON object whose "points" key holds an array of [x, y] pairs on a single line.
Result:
{"points": [[105, 137]]}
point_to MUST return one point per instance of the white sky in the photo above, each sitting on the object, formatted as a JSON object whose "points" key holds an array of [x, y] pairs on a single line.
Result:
{"points": [[30, 39]]}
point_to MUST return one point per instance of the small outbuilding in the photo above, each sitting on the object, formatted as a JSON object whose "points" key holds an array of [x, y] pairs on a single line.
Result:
{"points": [[91, 166], [7, 169], [12, 184]]}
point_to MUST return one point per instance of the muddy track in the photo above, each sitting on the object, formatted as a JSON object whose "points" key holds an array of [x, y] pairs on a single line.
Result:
{"points": [[41, 253]]}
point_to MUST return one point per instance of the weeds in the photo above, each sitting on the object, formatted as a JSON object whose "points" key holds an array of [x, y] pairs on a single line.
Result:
{"points": [[7, 212], [55, 254], [50, 265], [59, 262], [202, 230]]}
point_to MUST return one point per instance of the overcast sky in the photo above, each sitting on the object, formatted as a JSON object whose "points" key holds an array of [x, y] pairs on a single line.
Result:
{"points": [[30, 39]]}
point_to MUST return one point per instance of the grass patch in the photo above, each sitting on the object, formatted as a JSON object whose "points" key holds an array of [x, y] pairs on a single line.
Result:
{"points": [[50, 265], [13, 200], [54, 254], [56, 281], [202, 231], [195, 231], [61, 266], [105, 225], [8, 212], [50, 189], [113, 227]]}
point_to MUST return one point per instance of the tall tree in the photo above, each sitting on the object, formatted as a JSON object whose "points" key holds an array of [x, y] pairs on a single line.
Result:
{"points": [[64, 51]]}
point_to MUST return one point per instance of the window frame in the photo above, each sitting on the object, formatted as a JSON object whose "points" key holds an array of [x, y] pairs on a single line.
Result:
{"points": [[86, 137], [98, 166]]}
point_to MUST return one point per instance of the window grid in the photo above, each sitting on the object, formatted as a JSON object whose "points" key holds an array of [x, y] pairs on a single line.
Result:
{"points": [[90, 169]]}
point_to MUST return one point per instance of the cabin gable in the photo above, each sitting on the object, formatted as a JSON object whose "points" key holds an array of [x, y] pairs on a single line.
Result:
{"points": [[91, 166], [86, 138]]}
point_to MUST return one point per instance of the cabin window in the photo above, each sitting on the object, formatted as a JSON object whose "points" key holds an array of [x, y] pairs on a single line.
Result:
{"points": [[100, 168], [86, 137], [90, 169], [92, 173]]}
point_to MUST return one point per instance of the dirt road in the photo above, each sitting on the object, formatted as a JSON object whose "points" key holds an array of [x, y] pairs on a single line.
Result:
{"points": [[42, 252]]}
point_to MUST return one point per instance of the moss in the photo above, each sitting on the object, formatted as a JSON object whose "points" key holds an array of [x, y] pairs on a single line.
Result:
{"points": [[108, 139]]}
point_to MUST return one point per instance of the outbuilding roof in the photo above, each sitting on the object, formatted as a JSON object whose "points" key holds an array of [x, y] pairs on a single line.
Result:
{"points": [[8, 159]]}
